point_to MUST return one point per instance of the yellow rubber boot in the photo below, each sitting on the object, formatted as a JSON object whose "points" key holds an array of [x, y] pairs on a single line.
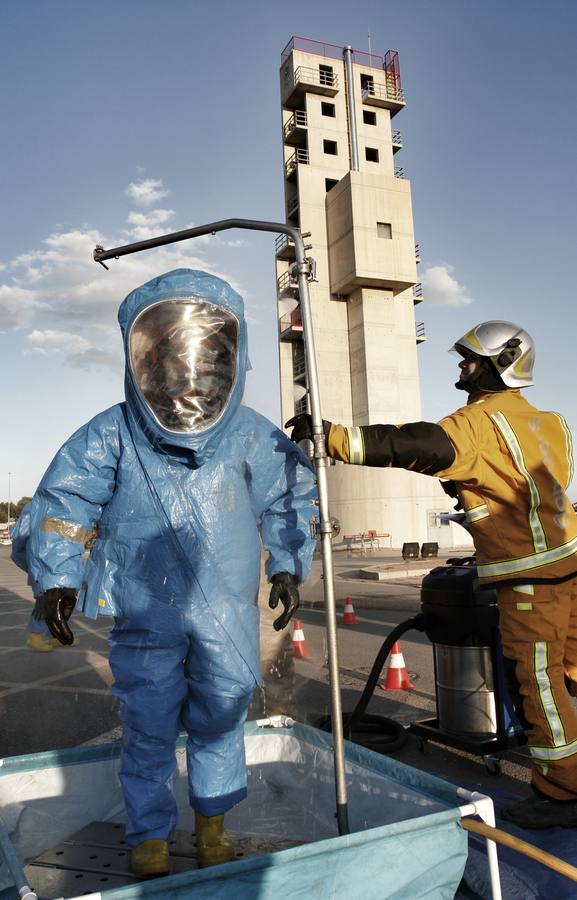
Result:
{"points": [[150, 858], [214, 845], [36, 642]]}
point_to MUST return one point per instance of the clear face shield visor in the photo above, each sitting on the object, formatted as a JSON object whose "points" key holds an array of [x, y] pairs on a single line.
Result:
{"points": [[184, 359]]}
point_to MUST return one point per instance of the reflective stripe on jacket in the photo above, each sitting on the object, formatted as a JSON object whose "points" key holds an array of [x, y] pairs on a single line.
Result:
{"points": [[512, 466]]}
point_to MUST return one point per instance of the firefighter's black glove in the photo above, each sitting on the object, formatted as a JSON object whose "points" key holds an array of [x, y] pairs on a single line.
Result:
{"points": [[302, 426], [450, 488], [57, 605], [285, 589]]}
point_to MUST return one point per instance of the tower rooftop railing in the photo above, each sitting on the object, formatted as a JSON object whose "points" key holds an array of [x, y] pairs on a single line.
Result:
{"points": [[333, 51]]}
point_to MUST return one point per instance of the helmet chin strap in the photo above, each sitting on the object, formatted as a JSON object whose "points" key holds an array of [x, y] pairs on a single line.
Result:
{"points": [[485, 378]]}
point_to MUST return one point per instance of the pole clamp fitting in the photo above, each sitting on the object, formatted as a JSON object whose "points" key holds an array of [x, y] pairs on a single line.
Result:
{"points": [[308, 268]]}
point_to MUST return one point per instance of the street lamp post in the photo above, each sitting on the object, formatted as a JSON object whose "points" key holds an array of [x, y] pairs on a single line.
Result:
{"points": [[8, 516]]}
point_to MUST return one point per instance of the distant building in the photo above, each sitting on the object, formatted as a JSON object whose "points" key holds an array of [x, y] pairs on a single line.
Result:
{"points": [[344, 187]]}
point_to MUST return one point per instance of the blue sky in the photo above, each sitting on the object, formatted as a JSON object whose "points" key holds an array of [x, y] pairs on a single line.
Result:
{"points": [[122, 119]]}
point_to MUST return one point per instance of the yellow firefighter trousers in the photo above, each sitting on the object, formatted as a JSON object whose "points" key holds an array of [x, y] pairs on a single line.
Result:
{"points": [[539, 631]]}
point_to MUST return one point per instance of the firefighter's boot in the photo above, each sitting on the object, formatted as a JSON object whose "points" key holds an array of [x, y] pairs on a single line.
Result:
{"points": [[214, 845], [150, 859]]}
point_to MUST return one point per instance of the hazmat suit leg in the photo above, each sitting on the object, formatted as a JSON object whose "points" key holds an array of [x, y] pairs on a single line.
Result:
{"points": [[146, 662], [539, 631], [220, 687], [173, 667]]}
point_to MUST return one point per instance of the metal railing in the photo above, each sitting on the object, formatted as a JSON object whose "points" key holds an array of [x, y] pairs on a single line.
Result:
{"points": [[383, 92], [308, 75], [292, 206], [299, 158], [399, 172], [420, 331], [292, 320], [397, 138], [285, 283], [333, 51], [417, 253], [301, 406], [282, 242], [297, 120], [299, 367], [417, 292]]}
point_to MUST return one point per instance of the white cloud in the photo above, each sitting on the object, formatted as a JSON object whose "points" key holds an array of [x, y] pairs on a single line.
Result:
{"points": [[148, 224], [53, 340], [66, 305], [146, 191], [154, 217], [16, 307], [442, 289]]}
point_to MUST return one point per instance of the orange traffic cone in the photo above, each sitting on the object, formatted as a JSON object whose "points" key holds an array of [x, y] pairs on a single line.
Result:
{"points": [[349, 617], [397, 675], [300, 648]]}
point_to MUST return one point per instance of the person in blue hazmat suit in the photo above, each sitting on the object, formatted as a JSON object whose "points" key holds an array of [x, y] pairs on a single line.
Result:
{"points": [[179, 481]]}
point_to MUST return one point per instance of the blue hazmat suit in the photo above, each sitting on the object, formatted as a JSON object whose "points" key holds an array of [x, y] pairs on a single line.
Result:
{"points": [[178, 512]]}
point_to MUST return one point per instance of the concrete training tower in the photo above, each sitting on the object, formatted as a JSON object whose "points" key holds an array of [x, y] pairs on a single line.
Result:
{"points": [[342, 186]]}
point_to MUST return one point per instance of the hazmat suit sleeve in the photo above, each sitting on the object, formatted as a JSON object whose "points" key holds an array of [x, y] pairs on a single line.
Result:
{"points": [[283, 492], [68, 504], [20, 536]]}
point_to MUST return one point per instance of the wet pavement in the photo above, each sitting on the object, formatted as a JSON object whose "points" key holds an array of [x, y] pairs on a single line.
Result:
{"points": [[49, 700], [62, 699]]}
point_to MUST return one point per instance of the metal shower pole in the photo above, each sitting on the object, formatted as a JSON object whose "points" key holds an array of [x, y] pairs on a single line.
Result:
{"points": [[304, 273]]}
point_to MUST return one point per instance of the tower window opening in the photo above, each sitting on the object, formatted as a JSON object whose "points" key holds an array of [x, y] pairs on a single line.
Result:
{"points": [[328, 109], [330, 183], [330, 147], [369, 118], [367, 83], [384, 230], [326, 75], [371, 154]]}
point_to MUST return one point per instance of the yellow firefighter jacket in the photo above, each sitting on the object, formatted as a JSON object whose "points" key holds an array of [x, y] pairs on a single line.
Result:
{"points": [[511, 464]]}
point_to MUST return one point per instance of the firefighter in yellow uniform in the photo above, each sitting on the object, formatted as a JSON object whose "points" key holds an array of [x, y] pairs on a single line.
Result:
{"points": [[511, 465]]}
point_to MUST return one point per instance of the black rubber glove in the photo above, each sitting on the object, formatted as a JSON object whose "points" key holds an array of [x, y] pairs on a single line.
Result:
{"points": [[450, 488], [38, 611], [302, 426], [285, 589], [56, 606]]}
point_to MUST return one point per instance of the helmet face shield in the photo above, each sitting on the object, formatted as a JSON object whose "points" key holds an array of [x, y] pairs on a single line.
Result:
{"points": [[184, 360]]}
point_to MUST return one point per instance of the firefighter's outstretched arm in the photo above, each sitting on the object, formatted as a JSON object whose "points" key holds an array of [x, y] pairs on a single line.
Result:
{"points": [[419, 446]]}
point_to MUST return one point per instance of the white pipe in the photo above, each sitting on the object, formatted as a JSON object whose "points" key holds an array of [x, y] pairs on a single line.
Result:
{"points": [[483, 807]]}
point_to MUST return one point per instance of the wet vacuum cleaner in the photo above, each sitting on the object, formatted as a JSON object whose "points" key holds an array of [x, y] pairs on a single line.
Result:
{"points": [[474, 711]]}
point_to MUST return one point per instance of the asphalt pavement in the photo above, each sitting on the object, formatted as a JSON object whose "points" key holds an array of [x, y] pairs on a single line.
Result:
{"points": [[62, 699]]}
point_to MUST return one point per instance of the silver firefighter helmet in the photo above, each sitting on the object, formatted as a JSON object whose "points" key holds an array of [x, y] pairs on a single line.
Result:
{"points": [[509, 347]]}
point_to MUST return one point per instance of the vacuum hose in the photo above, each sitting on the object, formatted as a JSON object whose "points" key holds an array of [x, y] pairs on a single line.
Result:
{"points": [[377, 732]]}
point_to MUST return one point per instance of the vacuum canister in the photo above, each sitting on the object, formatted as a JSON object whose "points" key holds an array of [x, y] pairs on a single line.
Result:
{"points": [[462, 624]]}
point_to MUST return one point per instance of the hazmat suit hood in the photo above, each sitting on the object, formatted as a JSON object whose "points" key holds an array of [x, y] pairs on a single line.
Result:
{"points": [[160, 322]]}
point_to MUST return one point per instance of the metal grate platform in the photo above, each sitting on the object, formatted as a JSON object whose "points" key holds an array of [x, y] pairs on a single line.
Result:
{"points": [[97, 858]]}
